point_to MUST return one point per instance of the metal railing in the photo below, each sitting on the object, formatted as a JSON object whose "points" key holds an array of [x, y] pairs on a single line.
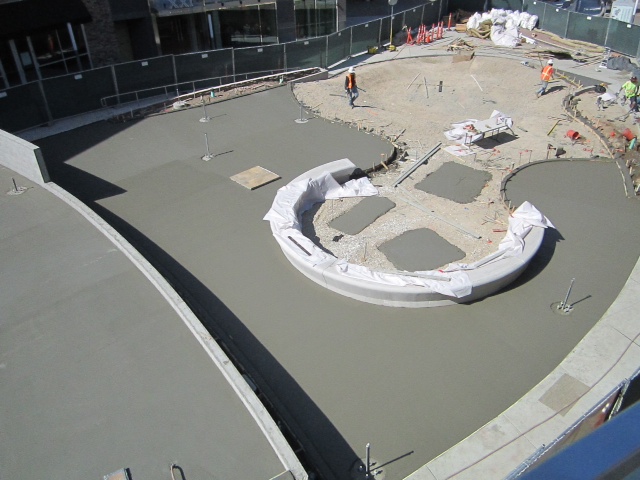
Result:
{"points": [[44, 101]]}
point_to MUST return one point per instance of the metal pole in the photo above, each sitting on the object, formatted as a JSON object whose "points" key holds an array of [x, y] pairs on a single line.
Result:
{"points": [[368, 460], [391, 27], [205, 118], [208, 156], [564, 302]]}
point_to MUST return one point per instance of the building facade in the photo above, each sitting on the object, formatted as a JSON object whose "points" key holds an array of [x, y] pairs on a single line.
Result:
{"points": [[46, 38]]}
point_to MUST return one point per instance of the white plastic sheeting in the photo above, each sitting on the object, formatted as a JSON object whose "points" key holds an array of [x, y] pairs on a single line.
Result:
{"points": [[464, 132], [521, 221], [294, 199], [505, 24]]}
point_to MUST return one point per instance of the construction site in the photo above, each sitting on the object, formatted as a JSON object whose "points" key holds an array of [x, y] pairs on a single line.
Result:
{"points": [[185, 334]]}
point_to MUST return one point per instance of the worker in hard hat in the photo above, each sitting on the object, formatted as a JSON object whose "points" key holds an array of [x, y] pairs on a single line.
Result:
{"points": [[545, 77], [350, 86], [630, 89]]}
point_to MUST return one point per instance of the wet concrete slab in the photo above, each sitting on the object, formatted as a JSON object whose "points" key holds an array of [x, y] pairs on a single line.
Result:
{"points": [[341, 372], [367, 211], [421, 249], [456, 182], [98, 371]]}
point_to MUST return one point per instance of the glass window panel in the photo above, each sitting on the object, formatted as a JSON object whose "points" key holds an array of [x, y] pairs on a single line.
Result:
{"points": [[241, 27], [268, 23]]}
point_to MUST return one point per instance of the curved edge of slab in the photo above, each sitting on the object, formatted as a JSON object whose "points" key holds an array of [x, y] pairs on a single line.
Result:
{"points": [[236, 381], [488, 277]]}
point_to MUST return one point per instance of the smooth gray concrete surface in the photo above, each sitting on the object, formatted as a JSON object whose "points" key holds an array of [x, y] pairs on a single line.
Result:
{"points": [[456, 182], [421, 249], [342, 373], [362, 215], [97, 371]]}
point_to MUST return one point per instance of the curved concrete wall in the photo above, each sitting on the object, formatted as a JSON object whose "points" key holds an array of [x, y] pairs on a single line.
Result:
{"points": [[485, 280]]}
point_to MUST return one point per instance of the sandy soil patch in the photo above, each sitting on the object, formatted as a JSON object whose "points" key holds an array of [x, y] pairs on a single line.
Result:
{"points": [[401, 100]]}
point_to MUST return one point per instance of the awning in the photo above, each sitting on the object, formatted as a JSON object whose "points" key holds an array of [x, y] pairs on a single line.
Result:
{"points": [[24, 17]]}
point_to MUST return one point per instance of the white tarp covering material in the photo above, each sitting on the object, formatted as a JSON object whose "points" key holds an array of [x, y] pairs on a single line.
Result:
{"points": [[465, 132], [294, 199], [505, 24], [521, 221]]}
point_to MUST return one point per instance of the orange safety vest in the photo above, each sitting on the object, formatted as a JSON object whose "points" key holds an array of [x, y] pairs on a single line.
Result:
{"points": [[547, 73], [351, 80]]}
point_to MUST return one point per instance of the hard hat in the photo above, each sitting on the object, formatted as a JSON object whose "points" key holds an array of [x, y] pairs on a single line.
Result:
{"points": [[550, 62], [352, 70]]}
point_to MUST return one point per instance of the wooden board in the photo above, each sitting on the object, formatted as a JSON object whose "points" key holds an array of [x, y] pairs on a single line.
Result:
{"points": [[255, 177]]}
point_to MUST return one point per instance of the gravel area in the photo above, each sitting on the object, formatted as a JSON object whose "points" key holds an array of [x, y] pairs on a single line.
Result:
{"points": [[402, 101]]}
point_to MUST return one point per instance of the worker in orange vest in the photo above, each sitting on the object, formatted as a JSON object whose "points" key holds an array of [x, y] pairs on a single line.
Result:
{"points": [[350, 86], [546, 76]]}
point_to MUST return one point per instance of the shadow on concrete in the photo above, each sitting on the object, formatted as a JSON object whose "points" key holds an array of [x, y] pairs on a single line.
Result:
{"points": [[489, 143], [539, 262], [320, 447]]}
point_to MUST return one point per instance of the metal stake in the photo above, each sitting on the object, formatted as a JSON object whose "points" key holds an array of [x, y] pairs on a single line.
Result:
{"points": [[208, 156], [563, 305], [368, 461], [205, 118], [301, 120]]}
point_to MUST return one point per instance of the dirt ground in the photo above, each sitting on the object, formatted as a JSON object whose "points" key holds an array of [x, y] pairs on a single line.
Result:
{"points": [[401, 100]]}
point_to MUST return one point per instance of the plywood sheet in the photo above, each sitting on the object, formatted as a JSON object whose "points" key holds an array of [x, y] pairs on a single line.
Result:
{"points": [[255, 177]]}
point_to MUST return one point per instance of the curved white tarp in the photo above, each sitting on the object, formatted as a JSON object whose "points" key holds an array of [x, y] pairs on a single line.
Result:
{"points": [[521, 221], [294, 199]]}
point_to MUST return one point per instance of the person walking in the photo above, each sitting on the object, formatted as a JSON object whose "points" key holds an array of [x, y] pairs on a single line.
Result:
{"points": [[546, 76], [350, 86], [630, 88]]}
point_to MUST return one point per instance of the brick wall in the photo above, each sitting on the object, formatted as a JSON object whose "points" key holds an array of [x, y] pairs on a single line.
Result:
{"points": [[101, 34]]}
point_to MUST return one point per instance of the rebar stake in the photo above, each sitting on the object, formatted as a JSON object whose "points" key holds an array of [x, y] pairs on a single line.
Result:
{"points": [[564, 306], [16, 189], [208, 156], [205, 118], [367, 473], [301, 119]]}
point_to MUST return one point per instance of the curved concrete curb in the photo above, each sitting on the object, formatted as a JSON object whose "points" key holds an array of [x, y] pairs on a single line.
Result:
{"points": [[242, 389], [489, 276]]}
